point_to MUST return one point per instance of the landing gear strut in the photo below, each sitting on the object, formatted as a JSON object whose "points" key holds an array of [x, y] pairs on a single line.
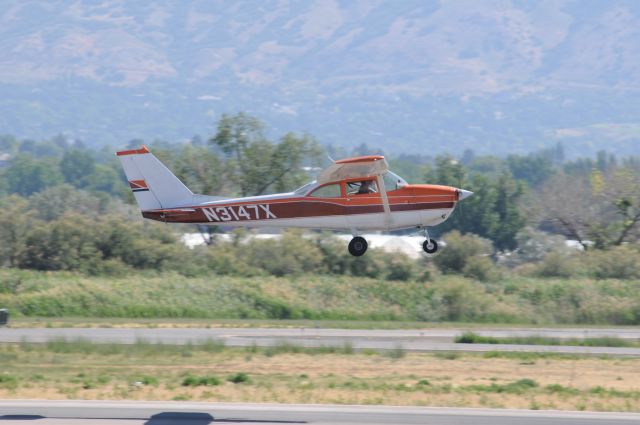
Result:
{"points": [[358, 246], [430, 246]]}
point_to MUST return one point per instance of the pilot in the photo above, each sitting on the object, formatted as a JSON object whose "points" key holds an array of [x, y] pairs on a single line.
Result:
{"points": [[366, 187]]}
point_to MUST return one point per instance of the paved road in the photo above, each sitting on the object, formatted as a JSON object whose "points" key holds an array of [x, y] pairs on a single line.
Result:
{"points": [[410, 340], [19, 412]]}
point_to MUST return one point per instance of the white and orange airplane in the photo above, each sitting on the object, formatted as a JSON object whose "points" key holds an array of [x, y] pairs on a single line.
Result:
{"points": [[354, 194]]}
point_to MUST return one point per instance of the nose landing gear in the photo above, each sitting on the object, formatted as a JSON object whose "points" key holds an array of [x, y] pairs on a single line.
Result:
{"points": [[358, 246], [430, 246]]}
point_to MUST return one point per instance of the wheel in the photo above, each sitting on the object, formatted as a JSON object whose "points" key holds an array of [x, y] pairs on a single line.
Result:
{"points": [[358, 246], [430, 246]]}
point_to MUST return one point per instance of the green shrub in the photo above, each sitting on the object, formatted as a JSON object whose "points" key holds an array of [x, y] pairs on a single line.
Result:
{"points": [[621, 262], [469, 337], [399, 267], [148, 380], [239, 378], [481, 268], [197, 381], [560, 389], [515, 387], [8, 381], [557, 264], [456, 299], [447, 355], [289, 255], [459, 250], [526, 382]]}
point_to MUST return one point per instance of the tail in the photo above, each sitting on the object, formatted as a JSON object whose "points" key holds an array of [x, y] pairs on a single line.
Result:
{"points": [[153, 185]]}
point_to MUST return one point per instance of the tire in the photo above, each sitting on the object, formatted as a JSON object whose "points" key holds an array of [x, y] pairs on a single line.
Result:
{"points": [[358, 246], [430, 246]]}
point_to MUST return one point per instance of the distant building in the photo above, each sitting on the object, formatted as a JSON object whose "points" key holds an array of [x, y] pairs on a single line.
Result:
{"points": [[4, 159]]}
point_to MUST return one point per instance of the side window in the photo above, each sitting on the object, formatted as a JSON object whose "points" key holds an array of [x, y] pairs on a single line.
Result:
{"points": [[362, 187], [328, 191]]}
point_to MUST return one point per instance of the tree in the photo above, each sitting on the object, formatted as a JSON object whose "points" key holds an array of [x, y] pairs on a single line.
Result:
{"points": [[64, 244], [202, 171], [257, 165], [510, 219], [105, 178], [534, 169], [567, 203], [622, 193], [604, 162], [15, 222], [236, 135], [54, 202], [27, 175], [492, 212], [447, 171], [76, 167], [603, 209], [288, 158], [8, 143]]}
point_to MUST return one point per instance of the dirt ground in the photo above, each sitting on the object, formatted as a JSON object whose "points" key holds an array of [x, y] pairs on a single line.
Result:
{"points": [[532, 382]]}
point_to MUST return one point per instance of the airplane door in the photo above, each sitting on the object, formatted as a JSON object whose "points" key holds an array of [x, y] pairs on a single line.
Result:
{"points": [[364, 204], [327, 209]]}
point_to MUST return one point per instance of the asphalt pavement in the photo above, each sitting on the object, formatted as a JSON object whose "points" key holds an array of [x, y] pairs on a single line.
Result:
{"points": [[21, 412], [427, 340]]}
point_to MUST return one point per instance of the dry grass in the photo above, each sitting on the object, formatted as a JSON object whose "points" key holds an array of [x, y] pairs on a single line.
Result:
{"points": [[92, 322], [361, 378]]}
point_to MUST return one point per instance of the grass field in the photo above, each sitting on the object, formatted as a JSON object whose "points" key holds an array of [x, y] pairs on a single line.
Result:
{"points": [[603, 341], [176, 322], [514, 300], [288, 374]]}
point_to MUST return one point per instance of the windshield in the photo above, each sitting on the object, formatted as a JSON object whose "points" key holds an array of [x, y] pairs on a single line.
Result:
{"points": [[393, 181], [304, 189]]}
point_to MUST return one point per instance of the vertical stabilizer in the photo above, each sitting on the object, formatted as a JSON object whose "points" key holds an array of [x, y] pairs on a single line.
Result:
{"points": [[153, 185]]}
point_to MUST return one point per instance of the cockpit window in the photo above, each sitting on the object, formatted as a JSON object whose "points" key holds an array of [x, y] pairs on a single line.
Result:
{"points": [[304, 189], [362, 187], [328, 191]]}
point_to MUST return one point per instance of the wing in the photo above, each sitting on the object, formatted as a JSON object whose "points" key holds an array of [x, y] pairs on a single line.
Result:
{"points": [[362, 166]]}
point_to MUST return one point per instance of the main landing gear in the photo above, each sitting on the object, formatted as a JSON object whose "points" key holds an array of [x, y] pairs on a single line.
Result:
{"points": [[358, 246], [430, 246]]}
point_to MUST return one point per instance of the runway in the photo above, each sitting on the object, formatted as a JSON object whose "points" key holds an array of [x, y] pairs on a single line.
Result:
{"points": [[426, 340], [168, 413], [19, 412]]}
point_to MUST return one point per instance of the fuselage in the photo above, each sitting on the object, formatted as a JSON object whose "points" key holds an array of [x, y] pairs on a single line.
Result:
{"points": [[319, 207]]}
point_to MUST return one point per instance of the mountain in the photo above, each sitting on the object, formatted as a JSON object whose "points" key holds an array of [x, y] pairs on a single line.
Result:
{"points": [[493, 76]]}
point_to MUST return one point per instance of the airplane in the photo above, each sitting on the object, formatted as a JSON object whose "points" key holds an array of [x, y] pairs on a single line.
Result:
{"points": [[354, 194]]}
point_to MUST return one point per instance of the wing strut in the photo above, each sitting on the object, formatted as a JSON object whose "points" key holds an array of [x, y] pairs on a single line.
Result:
{"points": [[385, 202]]}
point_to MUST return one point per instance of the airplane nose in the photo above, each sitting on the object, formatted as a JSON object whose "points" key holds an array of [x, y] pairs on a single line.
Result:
{"points": [[463, 194]]}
